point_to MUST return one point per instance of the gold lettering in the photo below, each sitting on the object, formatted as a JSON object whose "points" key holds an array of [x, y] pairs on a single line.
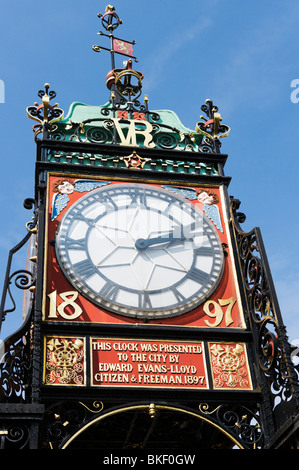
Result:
{"points": [[69, 299], [133, 130], [218, 313]]}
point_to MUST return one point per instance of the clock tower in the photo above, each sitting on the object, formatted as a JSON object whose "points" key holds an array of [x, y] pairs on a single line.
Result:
{"points": [[153, 319]]}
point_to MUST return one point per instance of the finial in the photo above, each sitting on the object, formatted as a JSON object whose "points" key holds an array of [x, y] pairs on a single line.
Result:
{"points": [[152, 410], [124, 83], [44, 113], [110, 19], [212, 128]]}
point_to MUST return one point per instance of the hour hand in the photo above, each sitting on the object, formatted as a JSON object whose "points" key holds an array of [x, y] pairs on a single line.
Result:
{"points": [[142, 243]]}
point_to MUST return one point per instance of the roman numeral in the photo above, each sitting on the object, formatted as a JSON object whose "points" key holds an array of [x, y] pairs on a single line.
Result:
{"points": [[109, 202], [144, 300], [76, 244], [138, 197], [179, 297], [109, 291], [142, 197], [85, 268], [198, 275], [204, 251], [79, 216]]}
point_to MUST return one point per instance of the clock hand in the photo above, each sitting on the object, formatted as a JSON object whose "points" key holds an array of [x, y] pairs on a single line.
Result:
{"points": [[142, 244]]}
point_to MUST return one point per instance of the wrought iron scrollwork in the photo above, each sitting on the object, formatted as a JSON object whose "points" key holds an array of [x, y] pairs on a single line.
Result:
{"points": [[16, 364], [103, 130], [16, 350], [241, 422], [15, 436], [97, 135], [44, 113], [166, 141], [271, 342], [211, 128], [63, 419], [23, 279]]}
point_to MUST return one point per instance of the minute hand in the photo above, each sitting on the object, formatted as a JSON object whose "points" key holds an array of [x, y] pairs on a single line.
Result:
{"points": [[142, 244]]}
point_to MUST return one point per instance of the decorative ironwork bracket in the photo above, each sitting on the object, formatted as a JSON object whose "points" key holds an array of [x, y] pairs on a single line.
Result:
{"points": [[23, 279], [276, 373], [239, 421]]}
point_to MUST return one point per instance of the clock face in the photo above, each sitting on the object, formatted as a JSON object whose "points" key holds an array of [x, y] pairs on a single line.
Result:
{"points": [[139, 251]]}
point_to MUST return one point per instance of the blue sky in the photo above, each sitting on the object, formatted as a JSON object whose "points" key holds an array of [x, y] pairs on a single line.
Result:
{"points": [[241, 55]]}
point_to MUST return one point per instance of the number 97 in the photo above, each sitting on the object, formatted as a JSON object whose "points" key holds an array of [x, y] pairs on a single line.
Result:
{"points": [[218, 313]]}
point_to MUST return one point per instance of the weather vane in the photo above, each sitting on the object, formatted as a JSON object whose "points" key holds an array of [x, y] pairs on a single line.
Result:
{"points": [[126, 81], [110, 22]]}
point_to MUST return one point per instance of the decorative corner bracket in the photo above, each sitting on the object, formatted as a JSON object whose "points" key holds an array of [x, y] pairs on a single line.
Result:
{"points": [[277, 374], [23, 279]]}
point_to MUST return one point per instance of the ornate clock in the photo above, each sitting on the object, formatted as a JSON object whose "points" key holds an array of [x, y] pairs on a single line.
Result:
{"points": [[139, 251]]}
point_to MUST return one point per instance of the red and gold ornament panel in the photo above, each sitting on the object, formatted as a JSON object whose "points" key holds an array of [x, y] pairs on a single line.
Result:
{"points": [[144, 363], [63, 303]]}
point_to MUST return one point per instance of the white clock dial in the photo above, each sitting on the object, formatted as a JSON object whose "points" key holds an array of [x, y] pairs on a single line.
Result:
{"points": [[139, 251]]}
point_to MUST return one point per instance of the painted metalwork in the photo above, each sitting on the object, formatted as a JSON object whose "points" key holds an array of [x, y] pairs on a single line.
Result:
{"points": [[151, 424], [44, 113], [145, 128], [16, 365], [110, 21], [33, 413], [22, 279], [101, 141], [278, 377]]}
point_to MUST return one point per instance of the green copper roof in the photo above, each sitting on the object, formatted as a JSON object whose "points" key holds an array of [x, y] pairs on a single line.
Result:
{"points": [[79, 112]]}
